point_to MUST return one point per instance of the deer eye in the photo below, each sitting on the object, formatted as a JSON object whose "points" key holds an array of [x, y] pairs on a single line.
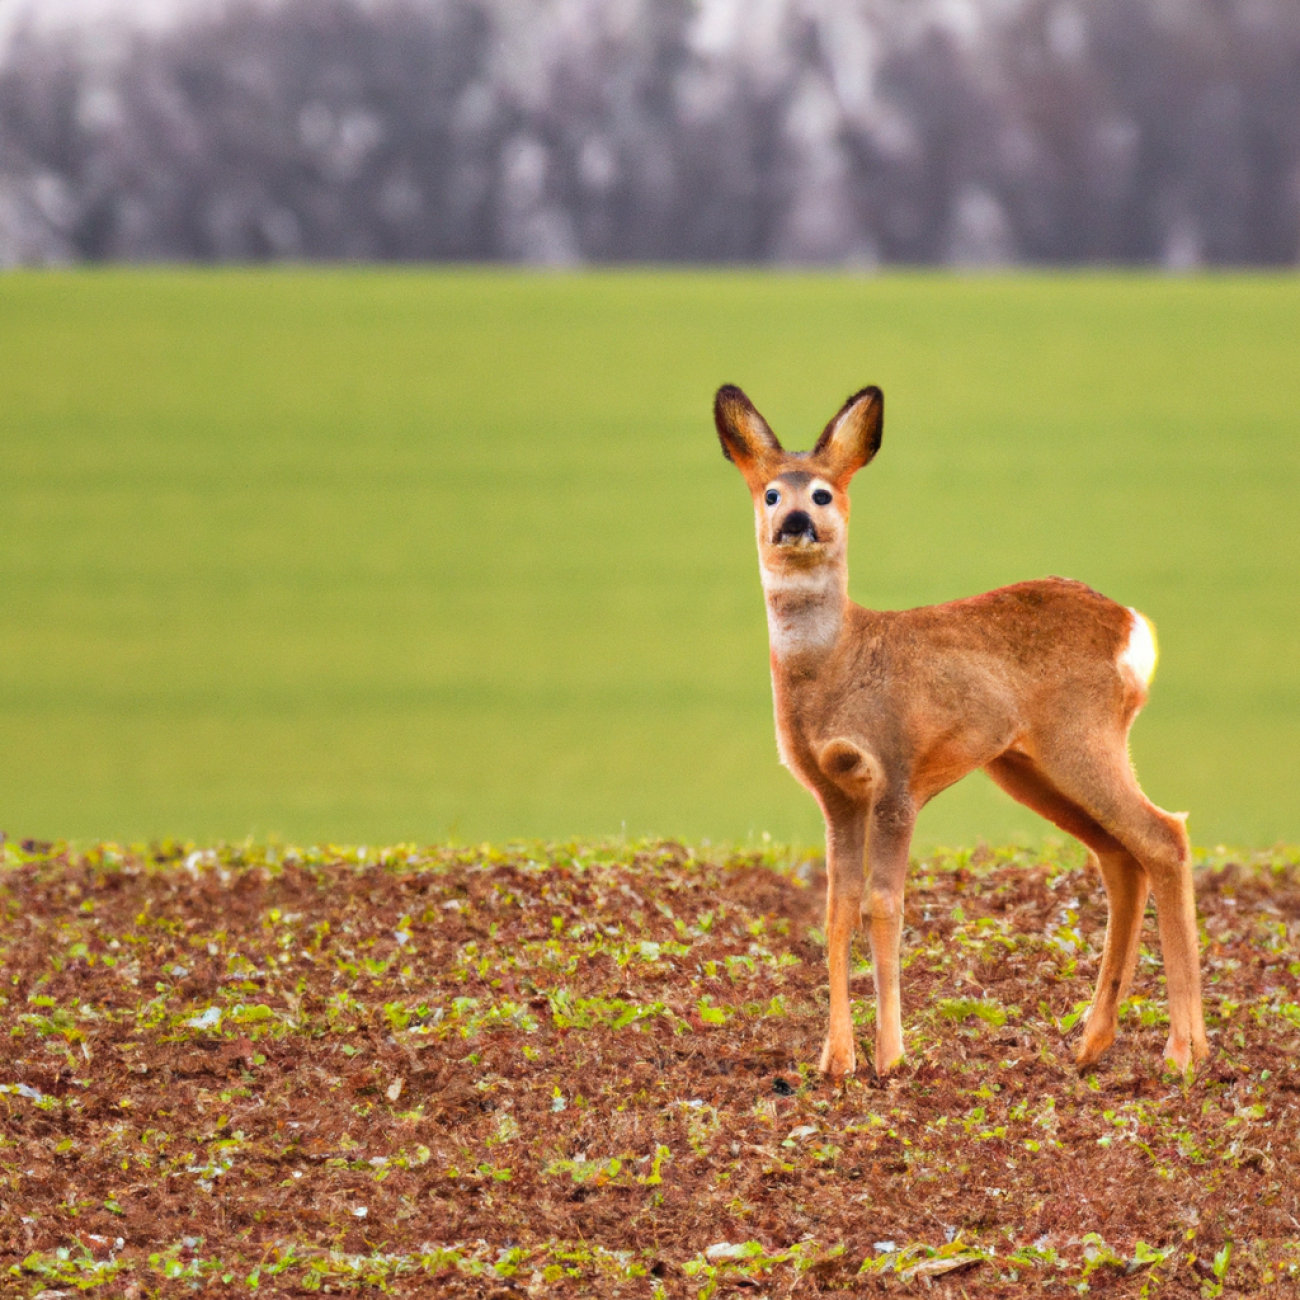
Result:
{"points": [[771, 496], [821, 497]]}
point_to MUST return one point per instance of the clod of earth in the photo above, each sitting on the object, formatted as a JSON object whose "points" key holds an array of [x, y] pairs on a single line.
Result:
{"points": [[589, 1070]]}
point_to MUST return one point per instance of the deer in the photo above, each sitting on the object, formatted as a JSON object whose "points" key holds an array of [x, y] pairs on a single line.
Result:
{"points": [[878, 711]]}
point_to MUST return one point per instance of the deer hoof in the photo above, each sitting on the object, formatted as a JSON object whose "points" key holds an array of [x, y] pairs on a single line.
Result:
{"points": [[886, 1064], [838, 1059], [1183, 1055], [1093, 1046]]}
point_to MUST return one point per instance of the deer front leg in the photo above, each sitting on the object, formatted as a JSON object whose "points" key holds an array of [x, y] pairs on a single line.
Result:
{"points": [[845, 836], [888, 844]]}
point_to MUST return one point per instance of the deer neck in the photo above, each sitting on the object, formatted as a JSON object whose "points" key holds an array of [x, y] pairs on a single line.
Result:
{"points": [[805, 606]]}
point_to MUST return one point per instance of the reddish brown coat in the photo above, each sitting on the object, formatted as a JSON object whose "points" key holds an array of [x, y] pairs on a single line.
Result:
{"points": [[877, 712]]}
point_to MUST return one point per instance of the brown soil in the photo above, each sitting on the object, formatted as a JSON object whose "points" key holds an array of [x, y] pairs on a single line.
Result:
{"points": [[588, 1070]]}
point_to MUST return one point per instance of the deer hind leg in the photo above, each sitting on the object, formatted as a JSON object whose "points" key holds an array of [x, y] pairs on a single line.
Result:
{"points": [[1104, 785], [1126, 893], [845, 836], [1159, 841]]}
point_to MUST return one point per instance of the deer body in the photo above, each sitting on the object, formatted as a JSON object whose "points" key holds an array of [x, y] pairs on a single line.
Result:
{"points": [[877, 712]]}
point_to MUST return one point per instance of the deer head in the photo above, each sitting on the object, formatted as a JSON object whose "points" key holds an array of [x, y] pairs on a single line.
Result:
{"points": [[801, 501]]}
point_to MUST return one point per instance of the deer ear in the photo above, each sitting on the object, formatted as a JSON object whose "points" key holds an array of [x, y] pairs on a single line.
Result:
{"points": [[852, 438], [744, 434]]}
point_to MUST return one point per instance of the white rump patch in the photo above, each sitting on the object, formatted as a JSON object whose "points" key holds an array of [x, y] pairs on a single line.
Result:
{"points": [[1140, 654]]}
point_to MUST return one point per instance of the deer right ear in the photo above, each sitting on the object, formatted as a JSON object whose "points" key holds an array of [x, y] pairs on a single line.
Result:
{"points": [[744, 434], [852, 438]]}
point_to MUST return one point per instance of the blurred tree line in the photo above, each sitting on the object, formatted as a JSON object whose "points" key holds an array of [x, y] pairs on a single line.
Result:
{"points": [[557, 131]]}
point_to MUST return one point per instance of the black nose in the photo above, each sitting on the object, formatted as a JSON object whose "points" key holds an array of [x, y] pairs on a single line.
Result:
{"points": [[796, 524]]}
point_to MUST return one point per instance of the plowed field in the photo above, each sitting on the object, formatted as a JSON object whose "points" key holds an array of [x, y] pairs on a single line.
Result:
{"points": [[588, 1070]]}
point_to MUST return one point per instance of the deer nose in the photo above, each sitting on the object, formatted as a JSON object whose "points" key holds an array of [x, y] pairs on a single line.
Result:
{"points": [[796, 524]]}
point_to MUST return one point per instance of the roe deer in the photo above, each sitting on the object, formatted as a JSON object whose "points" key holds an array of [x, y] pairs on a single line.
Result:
{"points": [[877, 712]]}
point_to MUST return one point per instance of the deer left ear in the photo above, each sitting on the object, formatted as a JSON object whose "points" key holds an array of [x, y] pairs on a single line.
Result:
{"points": [[746, 439], [853, 437]]}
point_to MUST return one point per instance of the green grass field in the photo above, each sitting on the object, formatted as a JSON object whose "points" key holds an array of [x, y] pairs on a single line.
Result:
{"points": [[407, 555]]}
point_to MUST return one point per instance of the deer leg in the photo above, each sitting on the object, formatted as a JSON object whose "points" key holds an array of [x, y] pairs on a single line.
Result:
{"points": [[1157, 840], [845, 835], [888, 843], [1126, 894], [1167, 856]]}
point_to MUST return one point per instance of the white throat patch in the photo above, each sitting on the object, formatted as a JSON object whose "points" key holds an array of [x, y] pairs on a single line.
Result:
{"points": [[800, 631], [821, 581], [805, 609]]}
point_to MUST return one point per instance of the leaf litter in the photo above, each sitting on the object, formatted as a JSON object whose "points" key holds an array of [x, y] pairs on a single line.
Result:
{"points": [[587, 1069]]}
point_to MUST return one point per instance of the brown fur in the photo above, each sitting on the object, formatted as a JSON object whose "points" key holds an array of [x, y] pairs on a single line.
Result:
{"points": [[877, 712]]}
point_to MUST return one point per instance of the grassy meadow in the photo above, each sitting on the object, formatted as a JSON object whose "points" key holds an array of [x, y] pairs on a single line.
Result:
{"points": [[405, 555]]}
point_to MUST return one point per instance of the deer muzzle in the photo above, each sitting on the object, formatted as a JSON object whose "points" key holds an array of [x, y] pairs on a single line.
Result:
{"points": [[796, 528]]}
